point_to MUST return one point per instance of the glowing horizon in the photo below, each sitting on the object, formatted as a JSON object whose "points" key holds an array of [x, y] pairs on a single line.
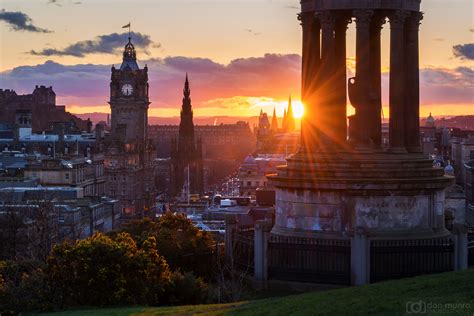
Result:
{"points": [[235, 62]]}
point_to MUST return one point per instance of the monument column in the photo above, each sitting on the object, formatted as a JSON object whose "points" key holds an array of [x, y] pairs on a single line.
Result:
{"points": [[412, 110], [363, 75], [397, 81], [376, 81], [326, 79], [311, 61], [339, 108]]}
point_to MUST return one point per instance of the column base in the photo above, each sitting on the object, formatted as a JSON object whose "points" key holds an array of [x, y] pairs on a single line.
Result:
{"points": [[415, 150], [397, 150]]}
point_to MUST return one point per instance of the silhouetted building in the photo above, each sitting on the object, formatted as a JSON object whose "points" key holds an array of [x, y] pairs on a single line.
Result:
{"points": [[288, 124], [128, 152], [224, 141], [38, 109], [186, 153], [263, 133]]}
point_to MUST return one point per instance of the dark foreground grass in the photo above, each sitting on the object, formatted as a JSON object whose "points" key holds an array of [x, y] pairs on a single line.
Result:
{"points": [[443, 294]]}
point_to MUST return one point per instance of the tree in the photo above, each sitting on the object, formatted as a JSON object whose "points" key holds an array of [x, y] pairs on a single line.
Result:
{"points": [[183, 245], [102, 271]]}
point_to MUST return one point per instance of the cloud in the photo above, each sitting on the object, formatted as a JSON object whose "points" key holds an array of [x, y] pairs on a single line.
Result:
{"points": [[103, 44], [19, 21], [215, 87], [465, 51], [446, 86], [270, 75]]}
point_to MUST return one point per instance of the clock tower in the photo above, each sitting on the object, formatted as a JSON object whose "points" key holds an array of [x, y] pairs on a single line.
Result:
{"points": [[129, 99], [128, 152]]}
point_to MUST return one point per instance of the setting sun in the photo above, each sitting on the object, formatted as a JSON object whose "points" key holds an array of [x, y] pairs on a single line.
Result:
{"points": [[298, 109]]}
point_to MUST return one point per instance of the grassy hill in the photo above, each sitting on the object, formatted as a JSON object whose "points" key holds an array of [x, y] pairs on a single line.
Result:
{"points": [[443, 294]]}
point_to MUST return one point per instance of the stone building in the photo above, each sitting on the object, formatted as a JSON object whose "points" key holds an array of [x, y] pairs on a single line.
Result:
{"points": [[469, 190], [462, 152], [80, 172], [263, 133], [128, 152], [253, 173], [48, 215], [223, 141], [39, 110], [187, 173]]}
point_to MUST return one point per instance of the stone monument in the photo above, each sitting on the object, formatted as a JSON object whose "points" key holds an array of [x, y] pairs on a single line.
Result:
{"points": [[341, 186]]}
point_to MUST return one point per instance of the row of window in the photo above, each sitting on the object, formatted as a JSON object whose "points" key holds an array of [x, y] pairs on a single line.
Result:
{"points": [[249, 183]]}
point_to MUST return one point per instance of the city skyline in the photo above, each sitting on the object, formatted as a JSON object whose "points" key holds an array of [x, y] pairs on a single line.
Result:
{"points": [[250, 62]]}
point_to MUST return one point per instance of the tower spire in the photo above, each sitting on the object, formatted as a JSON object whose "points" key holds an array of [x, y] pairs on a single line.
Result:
{"points": [[274, 122], [186, 90]]}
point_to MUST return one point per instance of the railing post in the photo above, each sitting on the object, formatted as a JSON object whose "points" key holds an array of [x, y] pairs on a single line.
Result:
{"points": [[460, 247], [262, 233], [230, 229], [360, 254]]}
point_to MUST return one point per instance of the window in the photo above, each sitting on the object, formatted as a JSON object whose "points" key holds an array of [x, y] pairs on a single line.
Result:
{"points": [[257, 183], [66, 176], [249, 183]]}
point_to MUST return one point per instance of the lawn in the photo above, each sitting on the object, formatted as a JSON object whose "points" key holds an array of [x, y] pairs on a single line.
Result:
{"points": [[449, 293]]}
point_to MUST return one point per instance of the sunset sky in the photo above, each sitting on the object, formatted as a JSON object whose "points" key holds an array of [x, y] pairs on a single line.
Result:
{"points": [[241, 55]]}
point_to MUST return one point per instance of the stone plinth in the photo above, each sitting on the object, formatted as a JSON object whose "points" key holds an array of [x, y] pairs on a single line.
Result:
{"points": [[387, 195]]}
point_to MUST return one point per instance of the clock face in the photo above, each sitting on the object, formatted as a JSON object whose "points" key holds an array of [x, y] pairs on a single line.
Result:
{"points": [[127, 89]]}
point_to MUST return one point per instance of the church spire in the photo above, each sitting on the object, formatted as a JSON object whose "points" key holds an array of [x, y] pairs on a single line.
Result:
{"points": [[274, 122], [186, 90], [186, 107], [186, 126]]}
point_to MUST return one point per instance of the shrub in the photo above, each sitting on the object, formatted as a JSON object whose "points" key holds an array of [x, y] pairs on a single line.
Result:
{"points": [[186, 289], [182, 244], [23, 286], [101, 271]]}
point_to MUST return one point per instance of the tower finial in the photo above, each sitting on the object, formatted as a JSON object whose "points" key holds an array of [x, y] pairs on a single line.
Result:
{"points": [[186, 90]]}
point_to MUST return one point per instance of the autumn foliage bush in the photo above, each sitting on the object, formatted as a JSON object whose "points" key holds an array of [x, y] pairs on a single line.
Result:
{"points": [[104, 271], [140, 265], [183, 245]]}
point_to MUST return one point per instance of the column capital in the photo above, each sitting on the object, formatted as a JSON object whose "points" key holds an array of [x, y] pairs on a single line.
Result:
{"points": [[327, 19], [305, 18], [343, 21], [398, 18], [378, 22], [414, 21], [363, 18]]}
